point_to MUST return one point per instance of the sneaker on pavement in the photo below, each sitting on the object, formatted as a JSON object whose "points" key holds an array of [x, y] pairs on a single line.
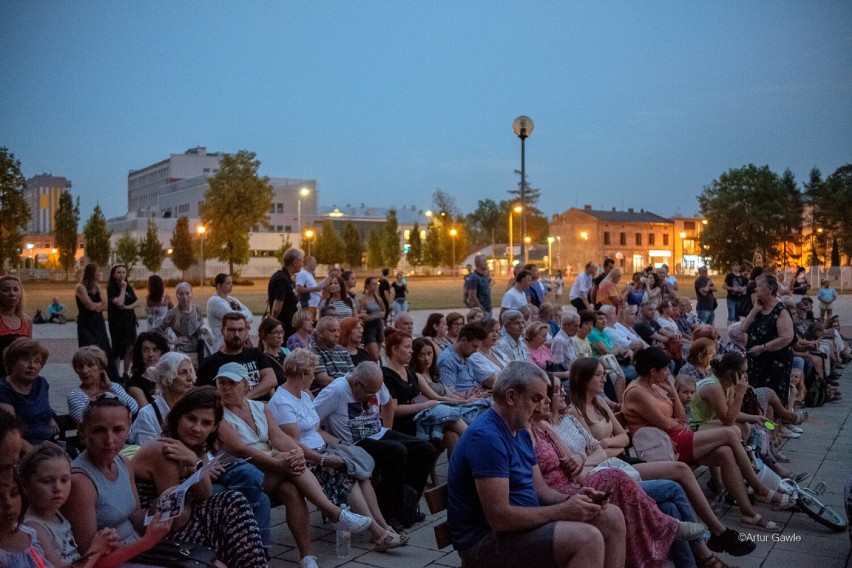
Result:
{"points": [[787, 433], [351, 522], [309, 562]]}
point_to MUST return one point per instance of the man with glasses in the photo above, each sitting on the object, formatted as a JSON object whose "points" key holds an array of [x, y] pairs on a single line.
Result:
{"points": [[334, 359]]}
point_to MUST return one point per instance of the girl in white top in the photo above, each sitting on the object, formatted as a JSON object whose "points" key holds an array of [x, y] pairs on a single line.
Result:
{"points": [[293, 409], [220, 304]]}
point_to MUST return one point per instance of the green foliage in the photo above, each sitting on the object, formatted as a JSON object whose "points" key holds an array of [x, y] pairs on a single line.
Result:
{"points": [[285, 246], [127, 251], [182, 254], [391, 251], [432, 253], [790, 229], [835, 204], [375, 249], [488, 222], [415, 253], [353, 248], [97, 237], [14, 210], [329, 246], [65, 223], [238, 199], [537, 225], [745, 210], [151, 249]]}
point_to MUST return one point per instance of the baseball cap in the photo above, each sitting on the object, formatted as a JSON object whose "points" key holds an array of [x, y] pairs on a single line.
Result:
{"points": [[233, 371]]}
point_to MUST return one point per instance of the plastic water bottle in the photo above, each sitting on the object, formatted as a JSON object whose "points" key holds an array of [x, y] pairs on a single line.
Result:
{"points": [[344, 540]]}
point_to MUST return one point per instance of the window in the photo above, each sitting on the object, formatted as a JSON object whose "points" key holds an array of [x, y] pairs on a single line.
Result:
{"points": [[650, 239], [272, 209], [638, 239], [287, 228], [606, 238], [622, 239], [665, 239], [280, 207], [689, 225], [689, 246]]}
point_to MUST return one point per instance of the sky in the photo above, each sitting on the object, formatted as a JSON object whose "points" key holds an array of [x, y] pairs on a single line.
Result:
{"points": [[635, 104]]}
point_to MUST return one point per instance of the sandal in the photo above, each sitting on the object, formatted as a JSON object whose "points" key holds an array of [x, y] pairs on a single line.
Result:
{"points": [[782, 458], [761, 524], [712, 561], [390, 539], [801, 416], [779, 501]]}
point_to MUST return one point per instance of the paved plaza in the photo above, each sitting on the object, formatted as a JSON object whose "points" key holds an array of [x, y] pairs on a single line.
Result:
{"points": [[825, 450]]}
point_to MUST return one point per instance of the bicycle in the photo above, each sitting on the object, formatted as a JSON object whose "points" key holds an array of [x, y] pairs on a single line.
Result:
{"points": [[808, 502]]}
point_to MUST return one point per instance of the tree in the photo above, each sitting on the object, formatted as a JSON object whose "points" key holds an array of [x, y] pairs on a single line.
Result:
{"points": [[790, 229], [745, 209], [432, 247], [97, 237], [445, 205], [285, 246], [837, 203], [329, 247], [353, 248], [537, 226], [391, 251], [487, 223], [14, 210], [237, 200], [127, 251], [415, 253], [182, 254], [151, 249], [375, 250], [65, 224]]}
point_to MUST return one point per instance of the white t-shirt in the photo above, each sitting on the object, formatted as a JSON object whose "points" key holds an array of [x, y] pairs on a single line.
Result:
{"points": [[287, 409], [307, 280], [513, 299], [349, 419]]}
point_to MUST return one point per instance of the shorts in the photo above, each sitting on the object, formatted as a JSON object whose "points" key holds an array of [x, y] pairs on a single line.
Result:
{"points": [[374, 332], [511, 549], [683, 440]]}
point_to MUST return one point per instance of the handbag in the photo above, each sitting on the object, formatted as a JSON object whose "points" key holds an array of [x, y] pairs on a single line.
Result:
{"points": [[172, 553], [653, 444]]}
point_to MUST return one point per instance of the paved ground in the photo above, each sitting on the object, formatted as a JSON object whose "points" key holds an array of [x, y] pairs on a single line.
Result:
{"points": [[825, 449]]}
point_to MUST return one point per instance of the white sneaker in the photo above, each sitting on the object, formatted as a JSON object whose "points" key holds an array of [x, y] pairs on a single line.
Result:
{"points": [[787, 433], [351, 522], [309, 562], [795, 429]]}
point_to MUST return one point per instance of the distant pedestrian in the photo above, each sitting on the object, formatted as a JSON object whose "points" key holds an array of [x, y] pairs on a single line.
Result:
{"points": [[705, 304], [558, 287], [579, 294], [735, 284], [281, 291], [400, 295], [385, 293], [478, 293]]}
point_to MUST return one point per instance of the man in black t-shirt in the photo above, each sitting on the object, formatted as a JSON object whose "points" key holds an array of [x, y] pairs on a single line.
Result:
{"points": [[281, 292], [261, 377], [735, 284], [384, 292]]}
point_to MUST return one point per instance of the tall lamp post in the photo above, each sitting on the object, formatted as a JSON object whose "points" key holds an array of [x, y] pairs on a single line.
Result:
{"points": [[512, 211], [309, 236], [304, 192], [527, 241], [523, 127], [453, 234], [201, 231], [550, 255]]}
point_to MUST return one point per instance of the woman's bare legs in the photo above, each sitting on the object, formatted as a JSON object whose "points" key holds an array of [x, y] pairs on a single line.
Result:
{"points": [[452, 432], [296, 511], [358, 504], [372, 350]]}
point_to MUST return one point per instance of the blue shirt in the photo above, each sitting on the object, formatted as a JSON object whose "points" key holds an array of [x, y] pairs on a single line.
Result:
{"points": [[455, 373], [33, 409], [487, 449]]}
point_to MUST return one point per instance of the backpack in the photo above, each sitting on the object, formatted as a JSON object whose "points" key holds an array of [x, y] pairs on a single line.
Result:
{"points": [[39, 317], [816, 392]]}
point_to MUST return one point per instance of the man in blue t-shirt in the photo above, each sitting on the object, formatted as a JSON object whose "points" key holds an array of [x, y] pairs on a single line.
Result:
{"points": [[500, 512]]}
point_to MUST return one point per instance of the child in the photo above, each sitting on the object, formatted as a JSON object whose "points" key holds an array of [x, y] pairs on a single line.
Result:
{"points": [[797, 393], [685, 387], [826, 296], [46, 472], [19, 546]]}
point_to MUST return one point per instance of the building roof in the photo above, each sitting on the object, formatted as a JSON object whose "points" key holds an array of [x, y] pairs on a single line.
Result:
{"points": [[405, 215], [629, 216]]}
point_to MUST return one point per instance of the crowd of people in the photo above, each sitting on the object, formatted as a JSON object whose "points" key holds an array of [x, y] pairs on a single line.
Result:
{"points": [[342, 405]]}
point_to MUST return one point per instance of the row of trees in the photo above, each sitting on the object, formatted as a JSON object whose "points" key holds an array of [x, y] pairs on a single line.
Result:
{"points": [[754, 211]]}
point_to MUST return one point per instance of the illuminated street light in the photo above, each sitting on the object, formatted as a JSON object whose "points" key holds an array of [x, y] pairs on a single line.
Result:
{"points": [[202, 230], [584, 235], [309, 235], [512, 211], [453, 234], [304, 192]]}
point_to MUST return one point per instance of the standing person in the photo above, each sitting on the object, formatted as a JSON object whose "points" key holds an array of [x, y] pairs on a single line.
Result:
{"points": [[307, 289], [558, 288], [479, 293], [334, 295], [769, 326], [122, 316], [499, 510], [220, 304], [799, 285], [826, 296], [157, 302], [14, 323], [350, 281], [281, 291], [535, 293], [668, 282], [384, 292], [186, 323], [608, 293], [371, 304], [582, 286], [515, 297], [735, 284], [400, 295], [91, 327], [705, 302], [596, 281]]}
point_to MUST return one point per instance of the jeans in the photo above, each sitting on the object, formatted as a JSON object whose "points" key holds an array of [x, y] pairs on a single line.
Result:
{"points": [[248, 480], [706, 316], [672, 501], [399, 306], [400, 460], [733, 304]]}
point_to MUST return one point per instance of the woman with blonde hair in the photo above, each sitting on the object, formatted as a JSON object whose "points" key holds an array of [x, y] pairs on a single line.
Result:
{"points": [[303, 323], [90, 364], [14, 323], [185, 323], [608, 293]]}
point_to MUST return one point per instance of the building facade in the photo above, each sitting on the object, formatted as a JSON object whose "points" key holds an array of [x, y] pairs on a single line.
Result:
{"points": [[42, 195], [145, 186]]}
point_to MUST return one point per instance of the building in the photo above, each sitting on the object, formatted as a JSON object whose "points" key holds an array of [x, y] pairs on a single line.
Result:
{"points": [[42, 195], [145, 186], [687, 248], [634, 239]]}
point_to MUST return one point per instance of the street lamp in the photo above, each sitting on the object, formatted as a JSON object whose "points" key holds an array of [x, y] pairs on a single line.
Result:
{"points": [[309, 235], [523, 127], [453, 234], [512, 211], [559, 253], [527, 241], [550, 255], [584, 235], [304, 192], [201, 231]]}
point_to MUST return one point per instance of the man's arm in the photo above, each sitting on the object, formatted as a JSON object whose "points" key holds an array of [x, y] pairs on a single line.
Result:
{"points": [[266, 385]]}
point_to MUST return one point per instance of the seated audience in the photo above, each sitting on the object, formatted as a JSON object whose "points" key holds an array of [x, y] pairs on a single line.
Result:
{"points": [[351, 334], [457, 372], [334, 359], [303, 323], [512, 345], [270, 340], [147, 350], [90, 364], [487, 361], [24, 392], [563, 348], [424, 364], [56, 312], [436, 329], [173, 376]]}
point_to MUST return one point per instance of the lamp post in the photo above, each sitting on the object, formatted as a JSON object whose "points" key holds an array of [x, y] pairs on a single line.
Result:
{"points": [[550, 255], [453, 234], [523, 127], [682, 252], [512, 211], [526, 241], [559, 253], [201, 231], [304, 192], [309, 235]]}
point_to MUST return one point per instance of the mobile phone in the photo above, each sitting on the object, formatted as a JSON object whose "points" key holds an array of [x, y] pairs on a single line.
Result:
{"points": [[602, 498]]}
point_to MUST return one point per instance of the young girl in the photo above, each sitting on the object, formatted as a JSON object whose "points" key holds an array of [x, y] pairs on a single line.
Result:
{"points": [[797, 394], [46, 472], [685, 387], [19, 546], [826, 296]]}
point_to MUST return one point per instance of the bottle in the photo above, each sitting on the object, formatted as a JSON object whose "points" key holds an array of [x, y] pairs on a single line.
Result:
{"points": [[344, 540]]}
